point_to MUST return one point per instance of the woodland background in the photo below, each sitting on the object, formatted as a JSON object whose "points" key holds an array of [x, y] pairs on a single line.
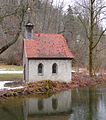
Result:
{"points": [[75, 24]]}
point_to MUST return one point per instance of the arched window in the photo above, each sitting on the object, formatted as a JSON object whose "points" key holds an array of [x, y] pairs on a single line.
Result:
{"points": [[54, 68], [40, 68]]}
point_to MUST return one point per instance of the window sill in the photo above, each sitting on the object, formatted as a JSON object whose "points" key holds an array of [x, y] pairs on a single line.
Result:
{"points": [[40, 74], [54, 73]]}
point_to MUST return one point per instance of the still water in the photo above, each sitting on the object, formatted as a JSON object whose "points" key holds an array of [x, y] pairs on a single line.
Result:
{"points": [[77, 104]]}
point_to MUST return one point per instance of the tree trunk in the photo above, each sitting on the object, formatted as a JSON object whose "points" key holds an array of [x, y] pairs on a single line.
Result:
{"points": [[91, 37], [90, 61]]}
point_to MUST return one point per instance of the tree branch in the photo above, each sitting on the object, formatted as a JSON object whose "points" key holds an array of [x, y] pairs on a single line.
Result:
{"points": [[7, 15], [5, 47], [99, 39], [98, 12], [84, 27]]}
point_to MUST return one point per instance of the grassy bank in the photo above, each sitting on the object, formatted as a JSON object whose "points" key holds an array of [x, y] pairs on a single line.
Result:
{"points": [[10, 67], [9, 77]]}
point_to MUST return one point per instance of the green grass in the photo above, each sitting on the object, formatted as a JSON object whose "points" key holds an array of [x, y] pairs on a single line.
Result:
{"points": [[11, 67], [11, 77]]}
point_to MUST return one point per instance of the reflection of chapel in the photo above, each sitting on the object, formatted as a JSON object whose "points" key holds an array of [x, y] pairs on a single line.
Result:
{"points": [[60, 103], [46, 57]]}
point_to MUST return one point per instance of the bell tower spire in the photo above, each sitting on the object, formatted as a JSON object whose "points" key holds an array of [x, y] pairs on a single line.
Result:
{"points": [[29, 27]]}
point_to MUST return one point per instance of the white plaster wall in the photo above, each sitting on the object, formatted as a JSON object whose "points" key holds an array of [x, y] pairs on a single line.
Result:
{"points": [[63, 74]]}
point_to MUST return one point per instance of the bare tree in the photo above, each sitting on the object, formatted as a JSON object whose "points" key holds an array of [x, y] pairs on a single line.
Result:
{"points": [[20, 12], [94, 10]]}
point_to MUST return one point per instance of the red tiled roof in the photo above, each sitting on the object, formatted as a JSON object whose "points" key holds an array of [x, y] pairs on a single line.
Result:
{"points": [[47, 46]]}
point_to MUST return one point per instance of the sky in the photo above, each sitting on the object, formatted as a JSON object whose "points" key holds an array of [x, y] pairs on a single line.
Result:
{"points": [[66, 3], [72, 2]]}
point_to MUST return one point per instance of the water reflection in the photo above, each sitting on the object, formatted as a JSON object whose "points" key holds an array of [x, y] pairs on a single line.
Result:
{"points": [[58, 105], [101, 104], [85, 104], [78, 104], [13, 110]]}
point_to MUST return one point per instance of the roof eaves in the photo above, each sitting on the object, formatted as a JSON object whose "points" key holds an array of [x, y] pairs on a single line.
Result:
{"points": [[47, 58]]}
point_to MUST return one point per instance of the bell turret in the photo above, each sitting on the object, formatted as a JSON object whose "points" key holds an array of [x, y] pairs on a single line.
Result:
{"points": [[29, 27]]}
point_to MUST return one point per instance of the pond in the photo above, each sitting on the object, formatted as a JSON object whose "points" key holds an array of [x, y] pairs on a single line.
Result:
{"points": [[77, 104]]}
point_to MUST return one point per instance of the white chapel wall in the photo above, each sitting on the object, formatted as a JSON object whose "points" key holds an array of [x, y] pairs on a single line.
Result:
{"points": [[63, 73]]}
